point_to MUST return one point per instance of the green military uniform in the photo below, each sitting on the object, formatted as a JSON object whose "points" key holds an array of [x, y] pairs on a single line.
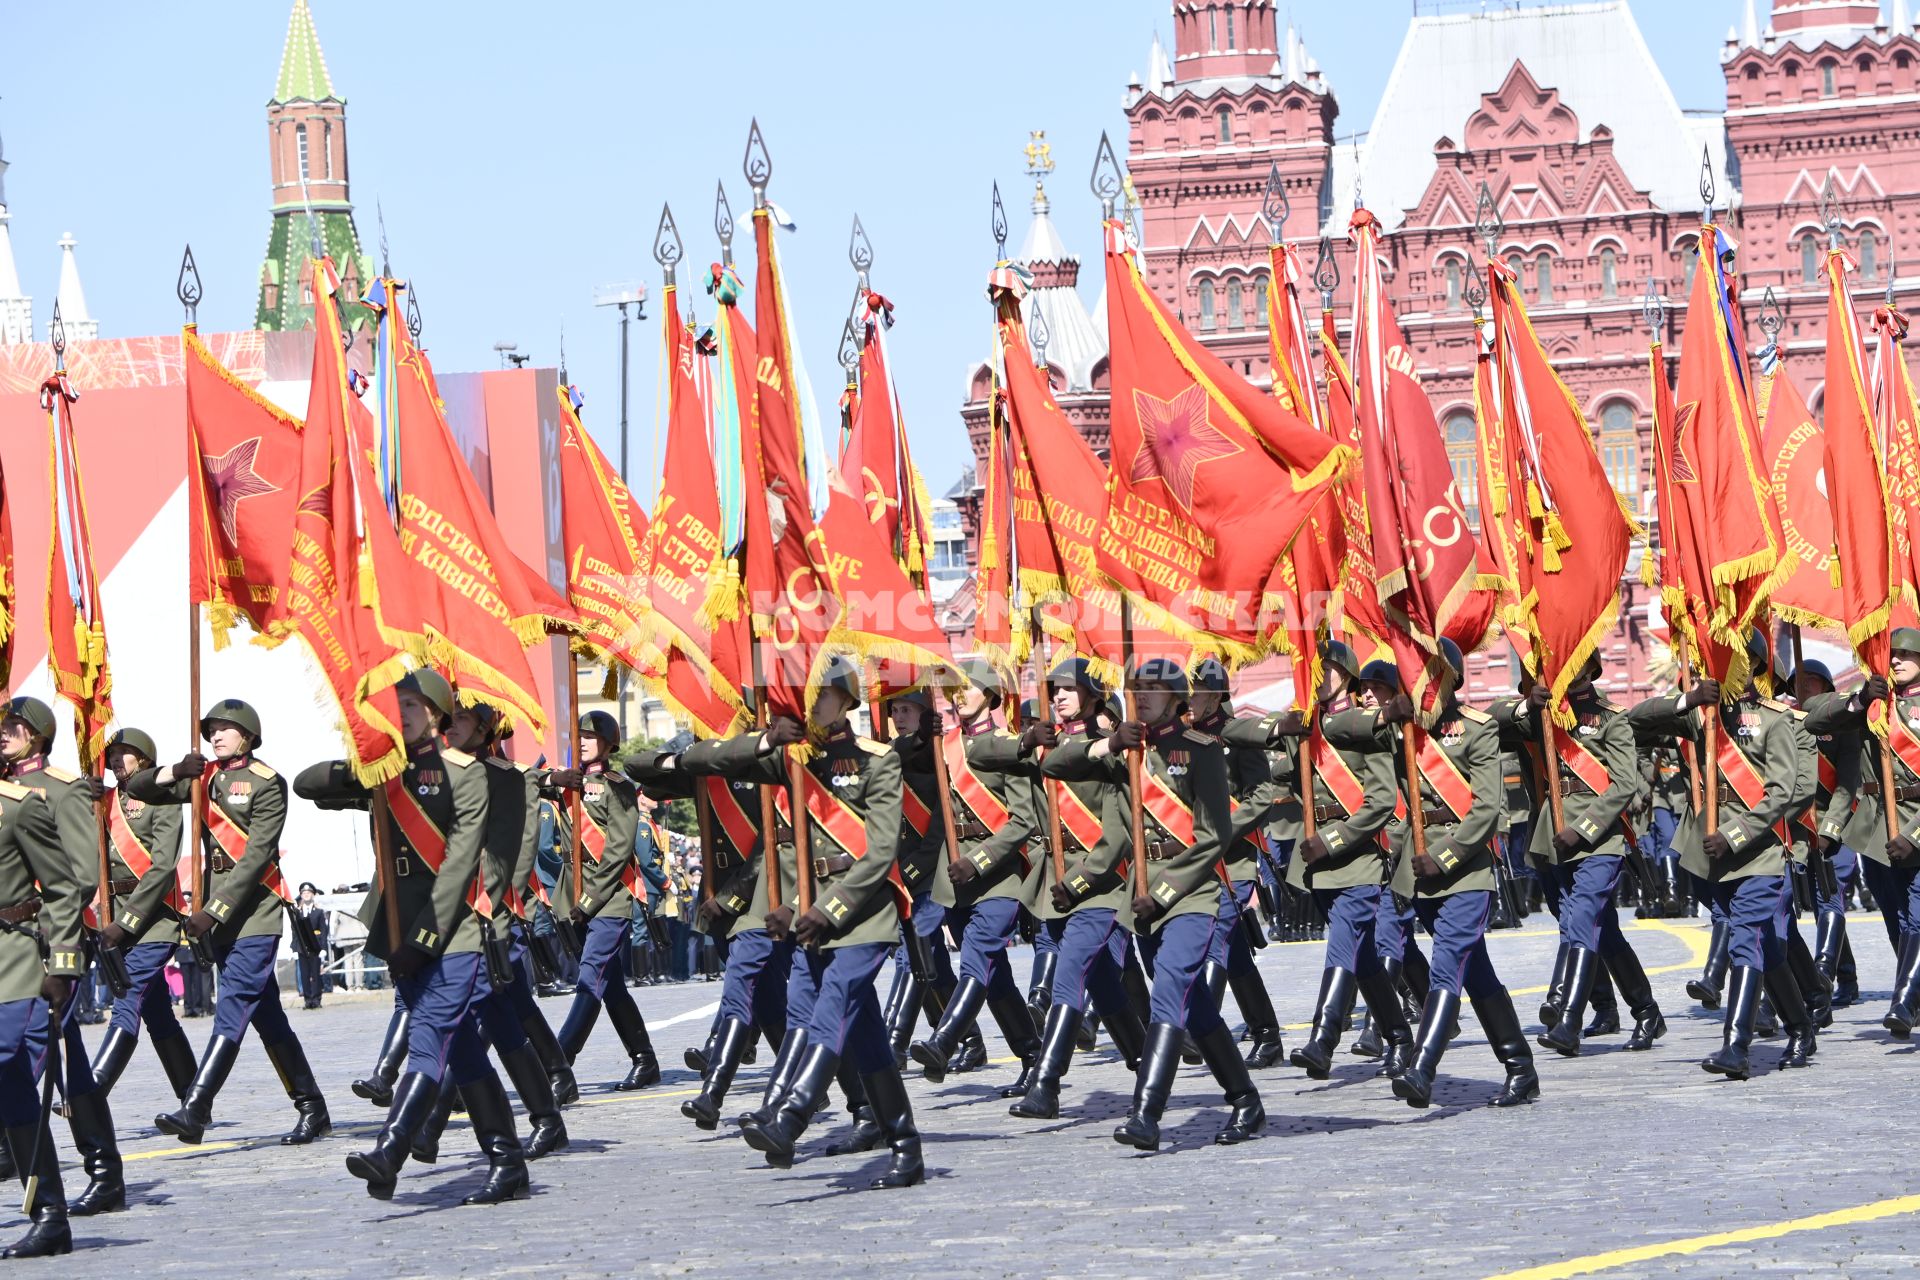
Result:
{"points": [[73, 810], [1096, 878], [139, 899], [254, 797], [1462, 844], [608, 800], [1355, 855]]}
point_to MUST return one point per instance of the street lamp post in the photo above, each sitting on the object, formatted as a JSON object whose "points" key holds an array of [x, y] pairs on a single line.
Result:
{"points": [[623, 296]]}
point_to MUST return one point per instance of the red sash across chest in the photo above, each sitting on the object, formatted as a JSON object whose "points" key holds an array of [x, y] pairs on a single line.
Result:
{"points": [[232, 841], [135, 855], [843, 826], [427, 840]]}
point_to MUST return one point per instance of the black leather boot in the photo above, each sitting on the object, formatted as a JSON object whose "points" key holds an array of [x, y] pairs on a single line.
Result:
{"points": [[49, 1235], [1415, 979], [1713, 976], [866, 1133], [290, 1060], [902, 1013], [1042, 1100], [426, 1139], [1603, 1002], [1369, 1043], [1383, 1003], [1743, 1004], [887, 1095], [1629, 975], [1829, 937], [936, 1051], [972, 1053], [1795, 1018], [115, 1051], [1415, 1085], [1129, 1036], [1555, 1003], [1213, 976], [1816, 990], [176, 1059], [1040, 984], [414, 1097], [729, 1045], [1015, 1021], [1222, 1056], [492, 1118], [1152, 1086], [632, 1030], [776, 1138], [92, 1123], [377, 1086], [1564, 1038], [546, 1131], [189, 1123], [1904, 1012], [553, 1059], [1315, 1054], [1501, 1022], [779, 1078], [577, 1028], [1263, 1024], [700, 1057]]}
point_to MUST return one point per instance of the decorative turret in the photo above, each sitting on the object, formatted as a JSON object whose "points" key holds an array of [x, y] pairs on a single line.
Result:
{"points": [[71, 300], [16, 309]]}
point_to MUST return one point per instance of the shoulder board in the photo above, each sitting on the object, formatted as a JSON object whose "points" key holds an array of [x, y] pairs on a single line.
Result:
{"points": [[1474, 715], [60, 775], [1204, 739], [1608, 704], [261, 770], [497, 763], [1004, 733], [14, 791], [518, 766], [455, 757], [873, 748], [1774, 704]]}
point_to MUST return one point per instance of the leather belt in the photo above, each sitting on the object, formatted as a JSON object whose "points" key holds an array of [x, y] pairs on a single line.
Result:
{"points": [[1161, 850], [1330, 813], [1438, 818], [1899, 793], [123, 885], [1572, 786], [783, 833], [20, 912], [970, 829], [724, 858], [832, 864], [220, 862]]}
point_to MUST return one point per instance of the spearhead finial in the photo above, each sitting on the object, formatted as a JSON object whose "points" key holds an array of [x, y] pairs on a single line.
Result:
{"points": [[1037, 333], [999, 225], [1275, 206], [667, 249], [1107, 182], [1475, 293], [1830, 212], [57, 335], [1706, 179], [187, 288], [1654, 308], [850, 343], [413, 314], [860, 251], [1893, 272], [386, 263], [1326, 273], [723, 222], [1487, 222], [757, 165], [1771, 318]]}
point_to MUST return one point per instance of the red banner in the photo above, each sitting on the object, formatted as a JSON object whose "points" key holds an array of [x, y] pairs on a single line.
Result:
{"points": [[1795, 450], [1898, 445], [76, 626]]}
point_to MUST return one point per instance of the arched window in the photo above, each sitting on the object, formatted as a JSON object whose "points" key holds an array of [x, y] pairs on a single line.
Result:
{"points": [[1689, 261], [1620, 448], [1260, 302], [326, 148], [300, 141], [1229, 26], [1826, 79], [1462, 453], [1543, 278], [1207, 318], [1809, 259], [1517, 265], [1225, 116], [1453, 284], [1235, 316], [1869, 255], [1213, 29], [1609, 273]]}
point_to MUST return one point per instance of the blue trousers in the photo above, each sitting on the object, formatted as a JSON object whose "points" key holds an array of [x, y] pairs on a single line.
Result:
{"points": [[442, 1041], [928, 918], [1393, 932], [1587, 915], [1756, 911], [1458, 923], [842, 1011], [1239, 949], [249, 993], [148, 1000], [499, 1009], [603, 974], [23, 1060], [1897, 890], [753, 989], [1353, 916], [1045, 940], [987, 928], [1178, 950], [1092, 949]]}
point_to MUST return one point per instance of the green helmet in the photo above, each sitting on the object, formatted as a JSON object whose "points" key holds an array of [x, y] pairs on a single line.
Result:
{"points": [[1210, 675], [138, 741], [1337, 653], [1164, 672], [1380, 671], [37, 715], [601, 725], [432, 688], [1904, 640], [1077, 672], [985, 677], [842, 674], [234, 712]]}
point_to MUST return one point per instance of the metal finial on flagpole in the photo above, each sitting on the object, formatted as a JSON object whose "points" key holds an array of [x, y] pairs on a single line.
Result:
{"points": [[1326, 274], [386, 264], [413, 313], [1830, 213], [1275, 206], [850, 346], [1771, 318], [57, 335], [1706, 179], [1893, 273], [1106, 181], [1487, 222], [723, 222], [1475, 292], [860, 253], [757, 165], [1037, 333], [1654, 309], [999, 225], [187, 288], [667, 248]]}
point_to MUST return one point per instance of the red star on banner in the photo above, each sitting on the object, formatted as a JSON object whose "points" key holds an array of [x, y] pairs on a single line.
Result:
{"points": [[233, 478], [1175, 440], [1682, 468]]}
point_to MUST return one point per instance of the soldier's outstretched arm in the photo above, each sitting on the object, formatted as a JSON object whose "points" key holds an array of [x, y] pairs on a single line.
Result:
{"points": [[331, 785], [745, 756], [1835, 713], [146, 787], [1662, 718]]}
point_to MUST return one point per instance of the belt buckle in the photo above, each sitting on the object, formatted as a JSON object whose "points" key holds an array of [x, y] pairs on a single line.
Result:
{"points": [[401, 867], [820, 867]]}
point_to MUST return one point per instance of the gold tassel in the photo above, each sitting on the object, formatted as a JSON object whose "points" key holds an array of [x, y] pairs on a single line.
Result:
{"points": [[1535, 506], [1833, 569]]}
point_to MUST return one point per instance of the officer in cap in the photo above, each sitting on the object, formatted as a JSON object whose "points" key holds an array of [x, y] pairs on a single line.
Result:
{"points": [[242, 916]]}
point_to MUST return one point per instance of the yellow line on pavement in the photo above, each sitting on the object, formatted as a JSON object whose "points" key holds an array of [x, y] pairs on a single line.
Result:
{"points": [[1695, 1244], [180, 1149]]}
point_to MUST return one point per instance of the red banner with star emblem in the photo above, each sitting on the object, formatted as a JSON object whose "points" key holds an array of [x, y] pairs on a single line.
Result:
{"points": [[605, 579], [76, 624], [1210, 478], [877, 461], [1795, 449]]}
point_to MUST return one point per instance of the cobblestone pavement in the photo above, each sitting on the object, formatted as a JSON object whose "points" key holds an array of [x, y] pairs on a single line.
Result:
{"points": [[1624, 1150]]}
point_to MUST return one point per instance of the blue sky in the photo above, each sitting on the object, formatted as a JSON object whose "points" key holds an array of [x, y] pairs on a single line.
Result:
{"points": [[522, 152]]}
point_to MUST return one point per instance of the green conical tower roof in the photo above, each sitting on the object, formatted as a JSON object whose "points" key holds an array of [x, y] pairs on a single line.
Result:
{"points": [[303, 68]]}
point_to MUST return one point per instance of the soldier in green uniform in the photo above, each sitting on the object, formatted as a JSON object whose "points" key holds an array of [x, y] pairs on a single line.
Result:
{"points": [[242, 916], [1815, 835], [41, 956], [1766, 773], [436, 815]]}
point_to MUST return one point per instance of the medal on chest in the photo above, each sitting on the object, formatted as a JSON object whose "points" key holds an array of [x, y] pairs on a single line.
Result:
{"points": [[843, 771], [1177, 763], [240, 792], [1452, 732], [427, 782], [1589, 726]]}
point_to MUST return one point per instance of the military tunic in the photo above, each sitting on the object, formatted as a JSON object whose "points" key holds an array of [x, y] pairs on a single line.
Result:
{"points": [[254, 797], [1355, 855], [1462, 844], [140, 900], [1000, 857]]}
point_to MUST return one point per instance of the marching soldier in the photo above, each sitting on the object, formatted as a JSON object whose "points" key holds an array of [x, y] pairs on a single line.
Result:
{"points": [[1817, 834], [26, 735], [1599, 771], [852, 798], [437, 822], [1178, 914], [144, 844], [1253, 795], [1765, 760], [242, 916], [1343, 862], [1089, 899], [610, 820], [994, 821]]}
